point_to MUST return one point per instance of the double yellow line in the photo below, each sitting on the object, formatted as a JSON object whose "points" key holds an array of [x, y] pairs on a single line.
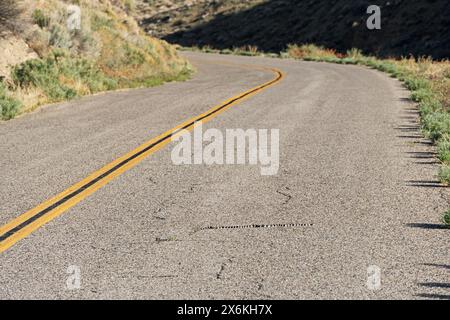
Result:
{"points": [[30, 221]]}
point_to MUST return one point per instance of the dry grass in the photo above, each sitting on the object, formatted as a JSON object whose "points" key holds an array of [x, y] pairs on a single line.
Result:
{"points": [[31, 98], [309, 51], [246, 51]]}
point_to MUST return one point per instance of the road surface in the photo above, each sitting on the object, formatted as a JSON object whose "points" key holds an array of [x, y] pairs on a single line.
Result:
{"points": [[356, 193]]}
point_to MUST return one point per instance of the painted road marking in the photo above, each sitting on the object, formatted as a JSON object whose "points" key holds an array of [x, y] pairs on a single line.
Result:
{"points": [[30, 221]]}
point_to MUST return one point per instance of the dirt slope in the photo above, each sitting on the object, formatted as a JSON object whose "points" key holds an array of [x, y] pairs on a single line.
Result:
{"points": [[14, 50]]}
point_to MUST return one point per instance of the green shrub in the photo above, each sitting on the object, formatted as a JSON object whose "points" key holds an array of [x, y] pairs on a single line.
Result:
{"points": [[447, 218], [133, 57], [40, 18], [436, 124], [387, 67], [83, 42], [57, 74], [432, 103], [60, 37], [101, 22], [444, 173], [348, 60], [226, 51], [422, 94], [372, 63], [425, 109], [415, 84], [9, 107], [444, 148]]}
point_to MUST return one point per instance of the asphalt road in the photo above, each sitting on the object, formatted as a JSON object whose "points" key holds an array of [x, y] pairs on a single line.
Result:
{"points": [[355, 177]]}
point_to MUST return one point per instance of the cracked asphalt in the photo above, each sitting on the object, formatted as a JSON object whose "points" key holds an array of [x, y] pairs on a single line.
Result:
{"points": [[356, 187]]}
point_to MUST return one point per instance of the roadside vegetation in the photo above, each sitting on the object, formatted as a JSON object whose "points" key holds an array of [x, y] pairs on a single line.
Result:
{"points": [[8, 105], [108, 52], [447, 218]]}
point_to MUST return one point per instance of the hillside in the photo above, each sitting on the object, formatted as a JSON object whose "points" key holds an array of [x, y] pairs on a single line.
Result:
{"points": [[44, 60], [161, 18], [417, 27]]}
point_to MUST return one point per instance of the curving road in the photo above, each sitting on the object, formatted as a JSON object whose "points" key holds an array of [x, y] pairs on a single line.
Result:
{"points": [[356, 188]]}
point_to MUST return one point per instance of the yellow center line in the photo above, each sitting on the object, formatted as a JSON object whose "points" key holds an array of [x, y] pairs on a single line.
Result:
{"points": [[35, 218]]}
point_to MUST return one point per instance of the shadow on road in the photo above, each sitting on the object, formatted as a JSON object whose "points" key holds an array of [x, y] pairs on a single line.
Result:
{"points": [[430, 226], [435, 286], [434, 296], [437, 265], [425, 184]]}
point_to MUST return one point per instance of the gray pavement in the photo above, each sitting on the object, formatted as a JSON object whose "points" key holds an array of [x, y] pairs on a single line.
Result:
{"points": [[352, 164]]}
